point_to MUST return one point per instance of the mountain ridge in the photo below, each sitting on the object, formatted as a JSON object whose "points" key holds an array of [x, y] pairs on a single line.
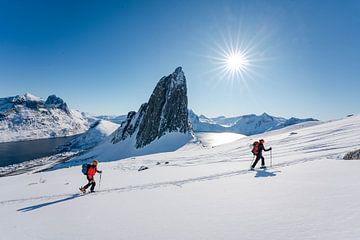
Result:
{"points": [[28, 117], [160, 125]]}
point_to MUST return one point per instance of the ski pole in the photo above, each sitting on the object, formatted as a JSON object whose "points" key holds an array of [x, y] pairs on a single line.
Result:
{"points": [[271, 158], [252, 161], [100, 181]]}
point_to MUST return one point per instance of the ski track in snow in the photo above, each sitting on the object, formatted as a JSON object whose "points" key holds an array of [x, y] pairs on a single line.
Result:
{"points": [[150, 186], [202, 193]]}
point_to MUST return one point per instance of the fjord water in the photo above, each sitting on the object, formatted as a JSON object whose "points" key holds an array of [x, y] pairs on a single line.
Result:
{"points": [[18, 152]]}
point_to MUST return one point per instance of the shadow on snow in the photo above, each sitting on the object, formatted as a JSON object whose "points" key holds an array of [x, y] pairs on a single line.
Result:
{"points": [[37, 206], [265, 173]]}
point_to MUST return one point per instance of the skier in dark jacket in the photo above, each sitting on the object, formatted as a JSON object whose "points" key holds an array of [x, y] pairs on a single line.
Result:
{"points": [[259, 155], [91, 171]]}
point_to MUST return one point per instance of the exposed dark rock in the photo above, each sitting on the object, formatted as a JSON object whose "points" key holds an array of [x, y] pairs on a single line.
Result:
{"points": [[142, 168], [354, 155], [34, 104], [293, 121], [166, 111], [55, 102]]}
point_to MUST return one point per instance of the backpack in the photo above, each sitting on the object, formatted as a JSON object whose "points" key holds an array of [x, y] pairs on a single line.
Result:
{"points": [[84, 168], [255, 149]]}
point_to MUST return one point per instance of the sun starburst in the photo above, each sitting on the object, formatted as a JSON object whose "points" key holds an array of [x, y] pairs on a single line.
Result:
{"points": [[236, 60]]}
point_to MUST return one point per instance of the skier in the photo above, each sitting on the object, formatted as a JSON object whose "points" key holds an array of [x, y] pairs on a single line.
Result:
{"points": [[258, 154], [91, 171]]}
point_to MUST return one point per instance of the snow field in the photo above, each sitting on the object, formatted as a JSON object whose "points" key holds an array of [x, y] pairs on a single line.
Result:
{"points": [[203, 193]]}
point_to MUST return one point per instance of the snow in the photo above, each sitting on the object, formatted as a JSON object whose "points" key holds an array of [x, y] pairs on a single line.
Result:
{"points": [[36, 164], [27, 117], [247, 124], [39, 125], [30, 97], [216, 139], [203, 193], [108, 151], [97, 132], [113, 118]]}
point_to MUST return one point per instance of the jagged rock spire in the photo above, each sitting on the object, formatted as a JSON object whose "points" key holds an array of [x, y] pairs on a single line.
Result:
{"points": [[166, 111]]}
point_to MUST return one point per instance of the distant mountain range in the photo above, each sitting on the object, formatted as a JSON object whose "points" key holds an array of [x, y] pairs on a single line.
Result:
{"points": [[162, 124], [27, 117], [246, 124], [112, 118]]}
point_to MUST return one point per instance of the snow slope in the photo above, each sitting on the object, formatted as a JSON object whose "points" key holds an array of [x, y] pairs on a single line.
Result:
{"points": [[203, 193], [112, 118], [211, 139], [97, 132], [107, 151]]}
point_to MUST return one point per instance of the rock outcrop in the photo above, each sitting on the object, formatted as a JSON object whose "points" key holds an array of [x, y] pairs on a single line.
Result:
{"points": [[165, 112], [354, 155], [55, 102]]}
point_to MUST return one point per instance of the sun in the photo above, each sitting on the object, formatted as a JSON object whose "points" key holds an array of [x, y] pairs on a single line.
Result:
{"points": [[236, 62], [237, 59]]}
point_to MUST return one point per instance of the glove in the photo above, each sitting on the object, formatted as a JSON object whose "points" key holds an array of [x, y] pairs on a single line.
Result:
{"points": [[100, 172], [270, 148]]}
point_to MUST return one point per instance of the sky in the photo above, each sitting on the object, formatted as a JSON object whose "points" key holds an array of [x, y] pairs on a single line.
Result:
{"points": [[105, 57]]}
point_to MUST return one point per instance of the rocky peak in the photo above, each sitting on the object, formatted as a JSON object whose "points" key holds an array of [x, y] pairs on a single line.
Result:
{"points": [[55, 102], [20, 99], [165, 112], [30, 101], [266, 116], [27, 100], [179, 76]]}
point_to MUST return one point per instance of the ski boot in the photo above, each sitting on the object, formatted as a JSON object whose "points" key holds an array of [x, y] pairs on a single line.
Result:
{"points": [[263, 167]]}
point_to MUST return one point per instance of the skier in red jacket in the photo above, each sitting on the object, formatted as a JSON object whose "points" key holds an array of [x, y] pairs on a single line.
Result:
{"points": [[91, 171]]}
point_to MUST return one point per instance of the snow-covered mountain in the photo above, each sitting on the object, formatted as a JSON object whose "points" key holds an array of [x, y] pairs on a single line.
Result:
{"points": [[247, 124], [204, 124], [27, 117], [202, 193], [253, 124], [118, 119], [160, 125], [97, 132], [225, 121]]}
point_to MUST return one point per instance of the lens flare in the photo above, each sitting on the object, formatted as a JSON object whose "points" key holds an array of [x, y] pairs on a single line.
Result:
{"points": [[237, 59], [236, 62]]}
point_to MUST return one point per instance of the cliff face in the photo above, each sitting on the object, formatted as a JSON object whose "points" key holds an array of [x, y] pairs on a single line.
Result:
{"points": [[165, 112]]}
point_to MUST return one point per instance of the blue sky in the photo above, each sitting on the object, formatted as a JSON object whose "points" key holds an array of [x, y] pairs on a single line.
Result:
{"points": [[105, 57]]}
